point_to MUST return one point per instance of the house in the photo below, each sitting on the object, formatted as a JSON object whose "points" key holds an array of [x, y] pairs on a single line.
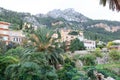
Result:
{"points": [[116, 45], [4, 31], [89, 44], [65, 36], [16, 36], [8, 35]]}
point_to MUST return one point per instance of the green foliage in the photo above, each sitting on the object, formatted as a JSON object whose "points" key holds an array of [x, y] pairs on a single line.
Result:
{"points": [[17, 20], [49, 20], [3, 47], [63, 46], [44, 41], [98, 53], [69, 72], [12, 17], [42, 38], [90, 73], [88, 60], [109, 44], [18, 51], [110, 69], [76, 44], [101, 46], [108, 73], [73, 33], [115, 55], [23, 71], [49, 73], [5, 61], [15, 27], [33, 66], [100, 34]]}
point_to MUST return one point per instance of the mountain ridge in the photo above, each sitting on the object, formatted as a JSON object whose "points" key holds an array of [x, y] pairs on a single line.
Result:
{"points": [[68, 14], [67, 18]]}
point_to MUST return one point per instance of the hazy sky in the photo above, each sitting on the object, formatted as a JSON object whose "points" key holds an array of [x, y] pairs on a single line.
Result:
{"points": [[89, 8]]}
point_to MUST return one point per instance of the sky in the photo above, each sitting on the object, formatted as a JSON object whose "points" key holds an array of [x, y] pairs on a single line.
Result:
{"points": [[89, 8]]}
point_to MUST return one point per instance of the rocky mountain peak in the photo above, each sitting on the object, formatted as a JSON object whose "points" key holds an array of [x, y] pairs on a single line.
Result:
{"points": [[68, 14]]}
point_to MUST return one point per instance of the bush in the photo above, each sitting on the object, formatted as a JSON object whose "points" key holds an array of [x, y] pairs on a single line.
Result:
{"points": [[88, 60], [108, 73], [69, 71], [15, 52], [98, 53], [4, 62], [73, 33], [115, 55], [76, 44]]}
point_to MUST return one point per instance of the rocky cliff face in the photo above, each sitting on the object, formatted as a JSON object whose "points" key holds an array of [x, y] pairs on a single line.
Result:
{"points": [[68, 14], [107, 28]]}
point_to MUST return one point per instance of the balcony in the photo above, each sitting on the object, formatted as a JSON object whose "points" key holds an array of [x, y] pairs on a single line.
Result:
{"points": [[3, 32]]}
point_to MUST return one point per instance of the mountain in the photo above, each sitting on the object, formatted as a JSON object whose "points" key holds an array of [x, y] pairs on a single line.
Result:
{"points": [[93, 29], [68, 14], [16, 18]]}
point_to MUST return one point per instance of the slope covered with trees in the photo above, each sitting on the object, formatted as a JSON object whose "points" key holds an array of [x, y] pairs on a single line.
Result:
{"points": [[17, 21]]}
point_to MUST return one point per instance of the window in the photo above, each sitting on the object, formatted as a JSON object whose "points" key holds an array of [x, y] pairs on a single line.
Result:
{"points": [[20, 39], [17, 39], [14, 39]]}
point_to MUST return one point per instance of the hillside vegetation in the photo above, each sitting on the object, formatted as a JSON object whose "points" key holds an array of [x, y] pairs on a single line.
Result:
{"points": [[93, 29]]}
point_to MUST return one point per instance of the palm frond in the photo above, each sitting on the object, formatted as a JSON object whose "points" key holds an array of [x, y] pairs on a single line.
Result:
{"points": [[113, 4], [103, 2]]}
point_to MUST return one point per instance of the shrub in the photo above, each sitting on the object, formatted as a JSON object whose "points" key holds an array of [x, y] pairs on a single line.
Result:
{"points": [[15, 52], [69, 71], [108, 73], [97, 53], [76, 44], [115, 55], [88, 60]]}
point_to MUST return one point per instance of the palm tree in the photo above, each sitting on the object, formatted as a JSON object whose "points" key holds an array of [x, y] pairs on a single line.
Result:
{"points": [[44, 41], [113, 4], [38, 64]]}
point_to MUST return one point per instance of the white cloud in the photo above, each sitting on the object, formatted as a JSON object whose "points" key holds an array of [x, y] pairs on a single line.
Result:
{"points": [[89, 8]]}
